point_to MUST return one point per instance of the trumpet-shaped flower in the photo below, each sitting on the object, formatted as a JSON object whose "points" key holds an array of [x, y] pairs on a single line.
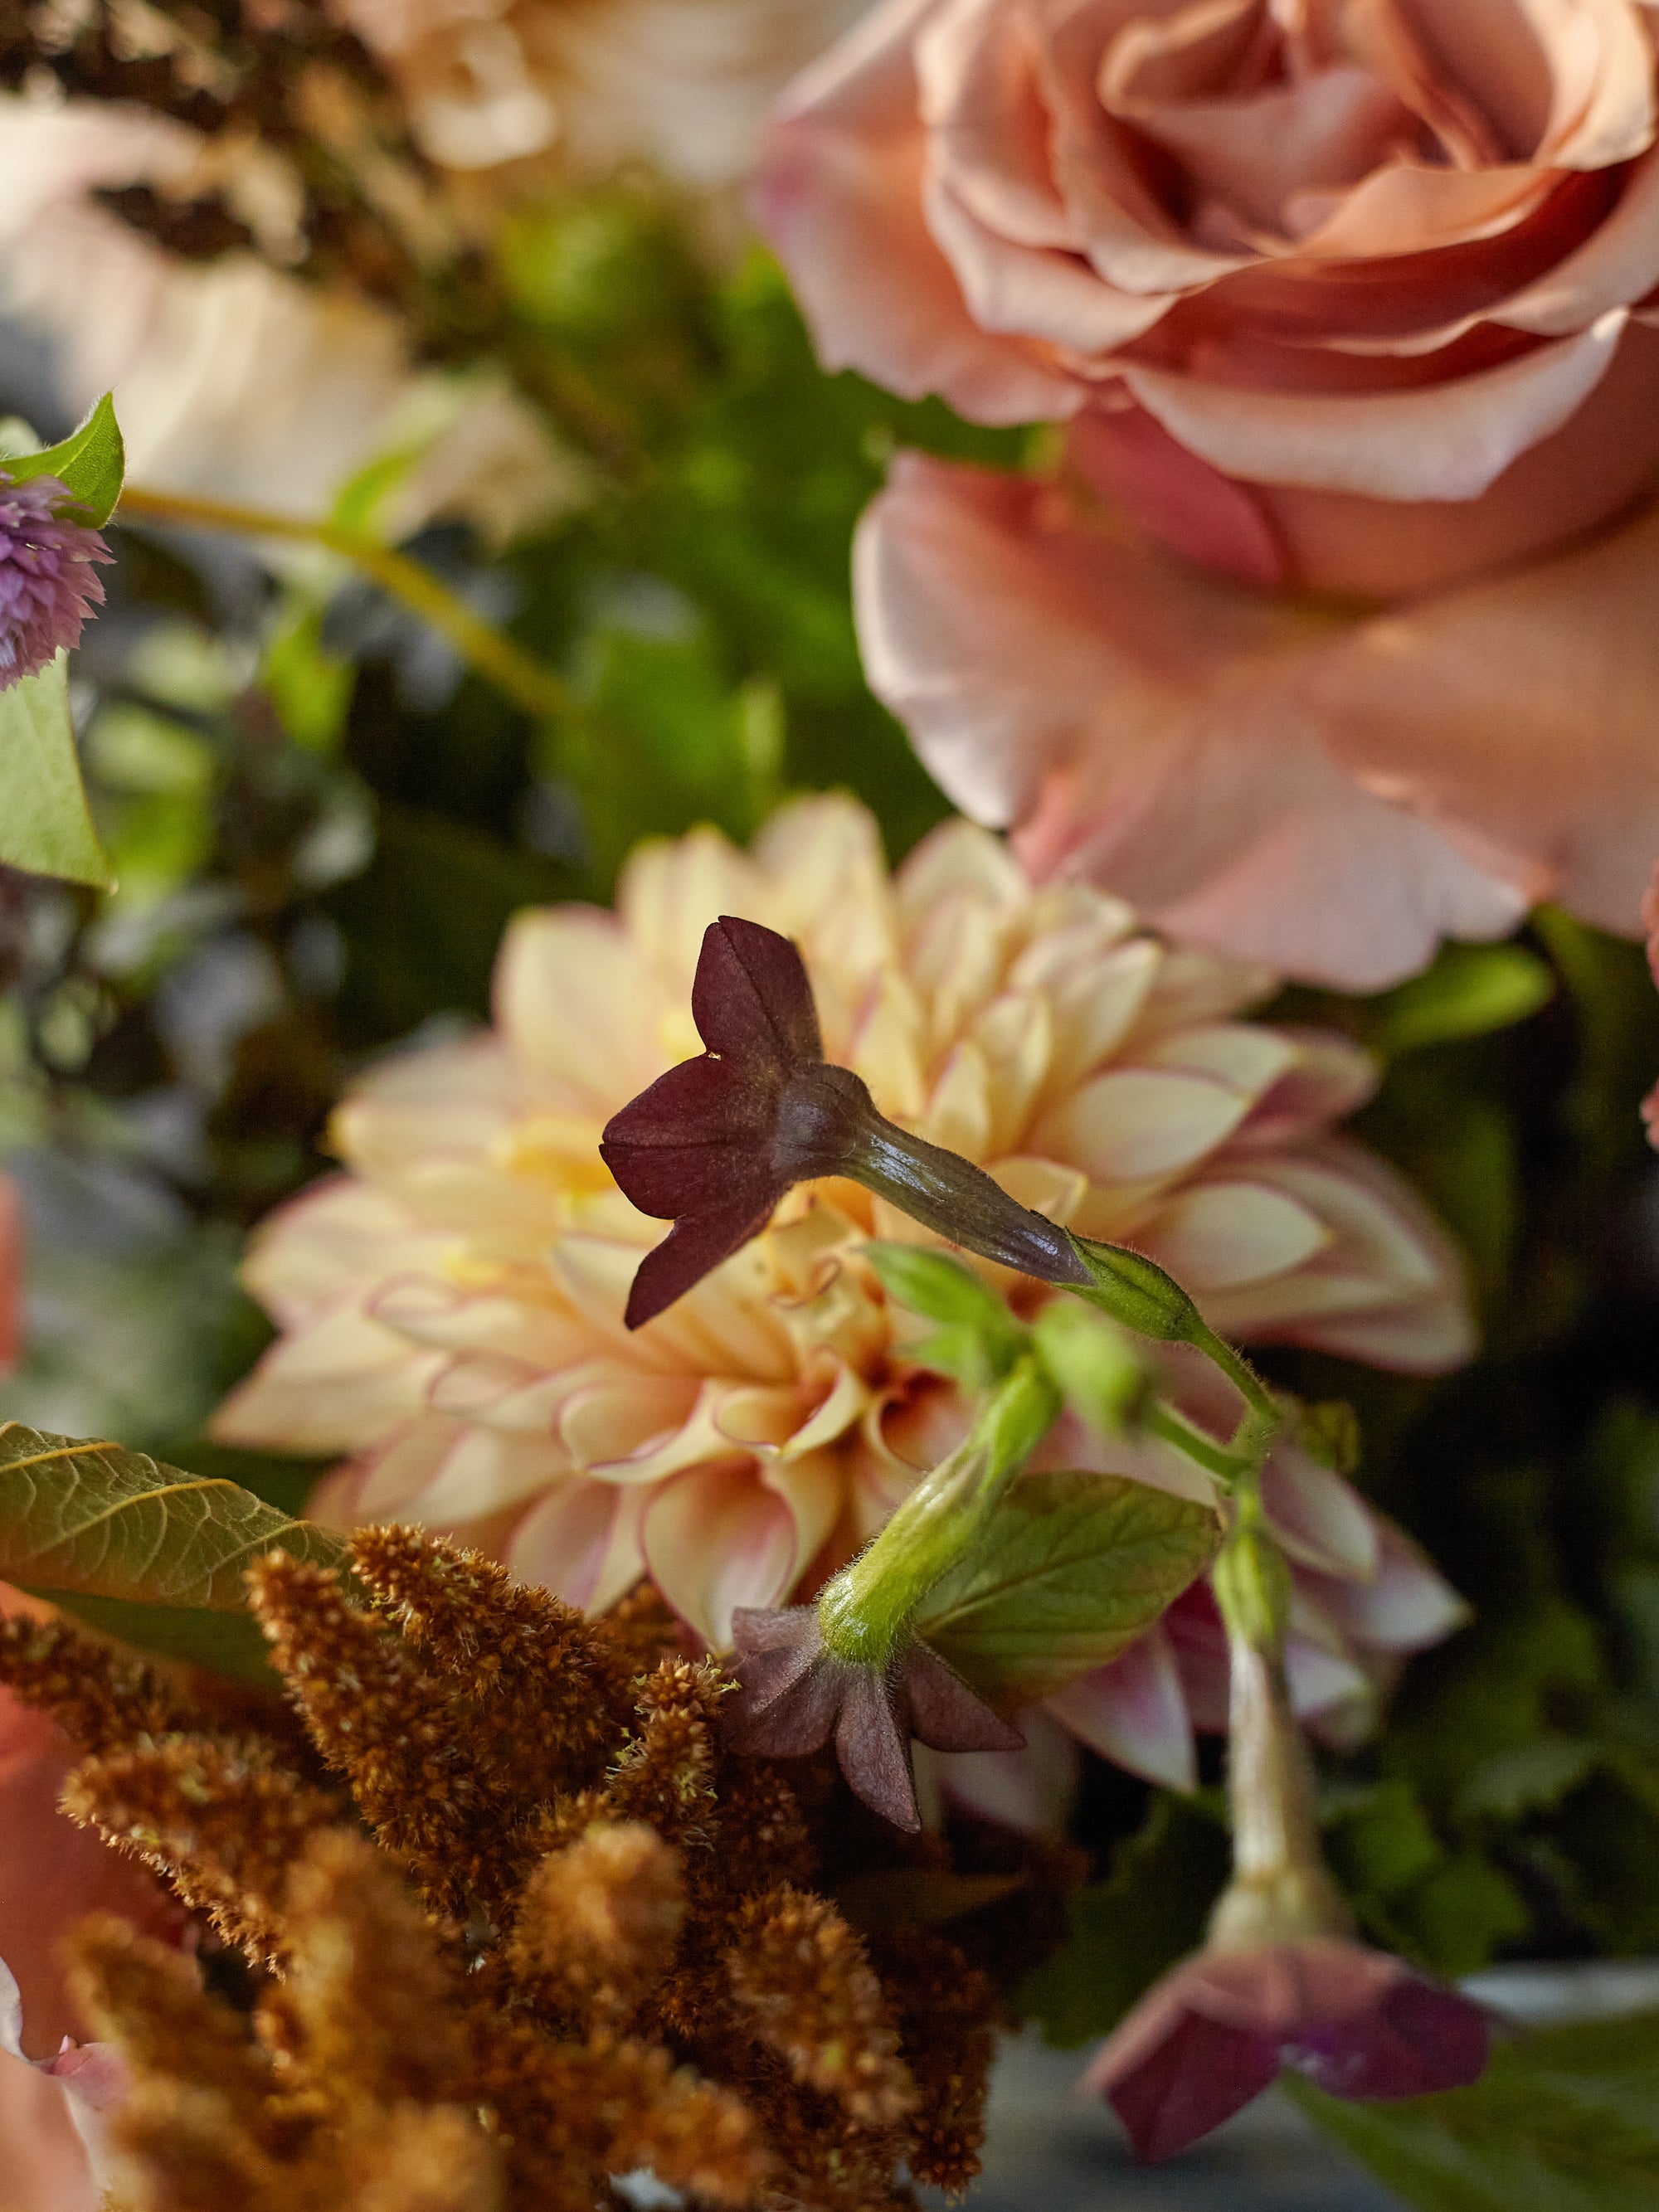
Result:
{"points": [[452, 1308], [1216, 2031]]}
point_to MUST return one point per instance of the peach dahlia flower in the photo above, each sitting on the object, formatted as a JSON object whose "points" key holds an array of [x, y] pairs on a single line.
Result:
{"points": [[1353, 298], [452, 1307]]}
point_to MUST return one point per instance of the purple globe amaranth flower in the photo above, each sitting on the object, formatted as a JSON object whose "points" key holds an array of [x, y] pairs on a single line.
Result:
{"points": [[794, 1695], [47, 584], [715, 1144], [1215, 2032]]}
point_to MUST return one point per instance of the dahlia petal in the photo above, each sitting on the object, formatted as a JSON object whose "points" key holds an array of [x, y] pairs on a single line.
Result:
{"points": [[1222, 1234], [581, 1541], [483, 1472], [1321, 1520], [1031, 1790], [1134, 1713], [570, 994], [337, 1384], [1406, 1605], [1134, 1123], [719, 1538]]}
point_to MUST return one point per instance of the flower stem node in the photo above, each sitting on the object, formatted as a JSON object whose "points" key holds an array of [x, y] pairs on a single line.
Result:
{"points": [[795, 1695]]}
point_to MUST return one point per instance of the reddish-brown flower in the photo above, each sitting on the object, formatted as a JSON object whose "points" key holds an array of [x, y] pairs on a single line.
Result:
{"points": [[795, 1696], [715, 1143], [1214, 2033]]}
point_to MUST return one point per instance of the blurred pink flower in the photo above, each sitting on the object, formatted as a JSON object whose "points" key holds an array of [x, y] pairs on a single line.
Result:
{"points": [[1215, 2032], [1329, 299], [452, 1308]]}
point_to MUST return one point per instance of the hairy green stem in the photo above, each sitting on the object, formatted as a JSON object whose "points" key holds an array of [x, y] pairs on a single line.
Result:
{"points": [[865, 1610]]}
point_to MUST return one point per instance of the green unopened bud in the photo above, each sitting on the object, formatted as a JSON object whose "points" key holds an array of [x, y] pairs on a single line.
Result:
{"points": [[1097, 1370], [865, 1611], [978, 1340], [1252, 1585], [1138, 1293]]}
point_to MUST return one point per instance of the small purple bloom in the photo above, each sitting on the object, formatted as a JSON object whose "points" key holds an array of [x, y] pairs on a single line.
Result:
{"points": [[795, 1696], [47, 587], [715, 1143], [1215, 2032]]}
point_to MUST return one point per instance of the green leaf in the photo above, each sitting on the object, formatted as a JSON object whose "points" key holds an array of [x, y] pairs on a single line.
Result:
{"points": [[96, 1521], [1565, 2120], [1130, 1928], [978, 1339], [91, 462], [1528, 1778], [225, 1642], [44, 826], [1094, 1364], [1073, 1567], [1471, 990]]}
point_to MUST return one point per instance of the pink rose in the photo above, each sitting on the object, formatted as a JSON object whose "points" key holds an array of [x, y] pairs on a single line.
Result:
{"points": [[1343, 299], [1383, 263]]}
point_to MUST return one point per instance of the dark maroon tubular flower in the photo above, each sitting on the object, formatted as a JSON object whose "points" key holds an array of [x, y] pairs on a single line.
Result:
{"points": [[47, 587], [1214, 2033], [715, 1143], [795, 1696]]}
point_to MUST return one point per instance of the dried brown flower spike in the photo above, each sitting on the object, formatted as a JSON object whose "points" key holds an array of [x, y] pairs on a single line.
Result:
{"points": [[550, 1927]]}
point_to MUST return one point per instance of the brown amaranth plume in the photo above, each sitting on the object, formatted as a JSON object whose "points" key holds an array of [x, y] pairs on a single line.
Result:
{"points": [[548, 1894]]}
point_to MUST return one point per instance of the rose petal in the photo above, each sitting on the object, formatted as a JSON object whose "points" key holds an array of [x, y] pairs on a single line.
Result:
{"points": [[1446, 441], [839, 195], [1157, 737]]}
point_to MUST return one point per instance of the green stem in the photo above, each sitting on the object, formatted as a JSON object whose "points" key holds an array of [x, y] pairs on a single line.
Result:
{"points": [[523, 679], [865, 1611], [1226, 1465]]}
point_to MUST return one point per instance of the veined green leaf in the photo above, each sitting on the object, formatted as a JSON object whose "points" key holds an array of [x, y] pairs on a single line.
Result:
{"points": [[44, 826], [91, 462], [1073, 1567], [94, 1520], [1563, 2120]]}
